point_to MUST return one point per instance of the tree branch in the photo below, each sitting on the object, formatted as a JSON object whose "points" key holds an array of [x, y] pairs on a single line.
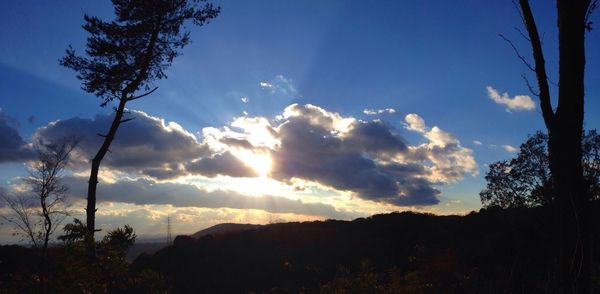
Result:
{"points": [[522, 34], [517, 52], [126, 120], [540, 67], [591, 6], [143, 95], [530, 87]]}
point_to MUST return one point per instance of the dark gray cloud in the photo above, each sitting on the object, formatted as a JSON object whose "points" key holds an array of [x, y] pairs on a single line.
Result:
{"points": [[234, 142], [221, 164], [12, 146], [415, 191], [143, 143], [375, 137], [166, 171], [147, 145], [144, 191], [311, 149]]}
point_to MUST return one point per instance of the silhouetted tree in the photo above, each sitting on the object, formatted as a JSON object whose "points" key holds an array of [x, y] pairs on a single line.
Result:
{"points": [[120, 239], [125, 56], [522, 181], [74, 232], [565, 130], [38, 212], [45, 181], [24, 216], [526, 181], [111, 251], [591, 163], [109, 273]]}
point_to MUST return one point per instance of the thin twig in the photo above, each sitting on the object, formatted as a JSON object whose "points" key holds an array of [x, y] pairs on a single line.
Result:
{"points": [[517, 52], [522, 34], [531, 89]]}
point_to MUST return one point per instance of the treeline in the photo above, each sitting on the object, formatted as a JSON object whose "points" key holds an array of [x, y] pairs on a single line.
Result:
{"points": [[494, 250]]}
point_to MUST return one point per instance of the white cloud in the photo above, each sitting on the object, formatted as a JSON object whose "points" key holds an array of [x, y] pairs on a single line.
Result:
{"points": [[370, 111], [279, 85], [509, 148], [415, 123], [440, 138], [245, 99], [476, 142], [518, 102], [265, 85], [450, 161], [319, 116]]}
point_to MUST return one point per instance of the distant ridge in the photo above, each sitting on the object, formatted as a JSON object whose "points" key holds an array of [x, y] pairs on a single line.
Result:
{"points": [[226, 227], [404, 252]]}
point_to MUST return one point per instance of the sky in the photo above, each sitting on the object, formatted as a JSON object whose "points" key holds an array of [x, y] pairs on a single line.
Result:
{"points": [[286, 110]]}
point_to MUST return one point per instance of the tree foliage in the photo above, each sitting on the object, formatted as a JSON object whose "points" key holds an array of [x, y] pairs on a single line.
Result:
{"points": [[119, 239], [130, 52], [526, 181], [73, 232]]}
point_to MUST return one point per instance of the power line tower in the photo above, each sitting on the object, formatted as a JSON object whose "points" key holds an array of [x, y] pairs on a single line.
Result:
{"points": [[169, 237]]}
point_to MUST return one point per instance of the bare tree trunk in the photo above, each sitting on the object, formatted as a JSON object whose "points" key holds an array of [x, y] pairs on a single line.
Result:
{"points": [[47, 227], [565, 131], [44, 273], [572, 216], [108, 138], [47, 231], [566, 153], [93, 180]]}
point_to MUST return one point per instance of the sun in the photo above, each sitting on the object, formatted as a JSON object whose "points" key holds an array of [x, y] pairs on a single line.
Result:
{"points": [[260, 162]]}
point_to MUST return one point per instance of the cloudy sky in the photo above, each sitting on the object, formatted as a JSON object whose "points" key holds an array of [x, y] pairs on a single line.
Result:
{"points": [[286, 110]]}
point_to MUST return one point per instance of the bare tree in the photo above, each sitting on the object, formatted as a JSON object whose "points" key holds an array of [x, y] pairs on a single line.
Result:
{"points": [[24, 216], [565, 128], [45, 181], [37, 213], [124, 57]]}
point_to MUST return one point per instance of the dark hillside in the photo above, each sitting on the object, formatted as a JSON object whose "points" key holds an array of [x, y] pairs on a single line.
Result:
{"points": [[490, 251], [143, 247], [227, 227]]}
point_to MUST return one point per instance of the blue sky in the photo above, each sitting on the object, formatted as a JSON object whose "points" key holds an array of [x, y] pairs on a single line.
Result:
{"points": [[431, 58]]}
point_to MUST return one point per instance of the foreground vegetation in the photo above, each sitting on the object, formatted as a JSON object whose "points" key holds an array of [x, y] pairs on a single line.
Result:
{"points": [[494, 250]]}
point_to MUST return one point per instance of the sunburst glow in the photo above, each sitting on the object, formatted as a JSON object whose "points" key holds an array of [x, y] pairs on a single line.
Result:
{"points": [[260, 162]]}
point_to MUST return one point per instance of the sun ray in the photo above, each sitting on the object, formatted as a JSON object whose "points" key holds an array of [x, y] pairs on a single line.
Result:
{"points": [[260, 162]]}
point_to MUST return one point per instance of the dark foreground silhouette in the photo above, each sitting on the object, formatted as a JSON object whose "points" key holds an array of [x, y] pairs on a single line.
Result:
{"points": [[491, 251]]}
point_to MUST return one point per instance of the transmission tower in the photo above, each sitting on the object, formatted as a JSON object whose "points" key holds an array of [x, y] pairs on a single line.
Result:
{"points": [[169, 238]]}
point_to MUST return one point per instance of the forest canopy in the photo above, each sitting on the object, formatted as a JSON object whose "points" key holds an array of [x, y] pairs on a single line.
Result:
{"points": [[525, 180]]}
